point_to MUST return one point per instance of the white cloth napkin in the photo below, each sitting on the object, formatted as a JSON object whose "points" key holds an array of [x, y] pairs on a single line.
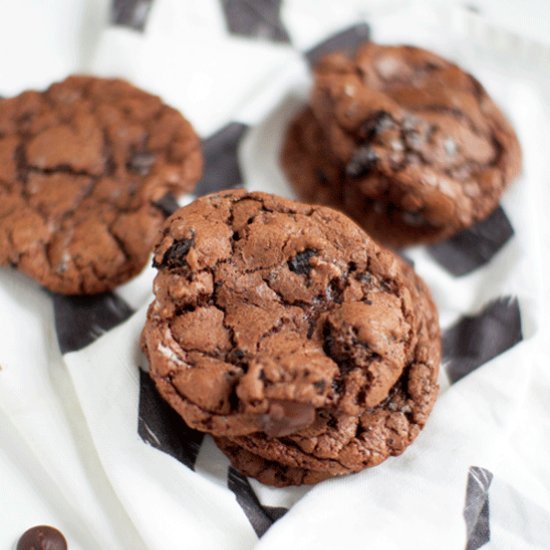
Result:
{"points": [[86, 444]]}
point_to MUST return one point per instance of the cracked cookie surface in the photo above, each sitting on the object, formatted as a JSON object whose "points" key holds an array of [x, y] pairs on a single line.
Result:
{"points": [[84, 167], [338, 444], [419, 150], [268, 313]]}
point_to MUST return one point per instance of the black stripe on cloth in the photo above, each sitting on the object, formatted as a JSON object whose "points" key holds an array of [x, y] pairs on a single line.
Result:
{"points": [[474, 340], [168, 204], [130, 13], [162, 428], [79, 320], [473, 247], [476, 507], [261, 517], [221, 160], [259, 19], [346, 41]]}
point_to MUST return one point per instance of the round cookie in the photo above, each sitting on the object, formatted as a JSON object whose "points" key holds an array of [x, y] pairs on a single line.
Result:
{"points": [[340, 444], [315, 175], [84, 168], [422, 149], [268, 311]]}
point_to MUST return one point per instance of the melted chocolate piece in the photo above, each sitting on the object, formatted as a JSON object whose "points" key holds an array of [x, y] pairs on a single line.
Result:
{"points": [[287, 417], [175, 255]]}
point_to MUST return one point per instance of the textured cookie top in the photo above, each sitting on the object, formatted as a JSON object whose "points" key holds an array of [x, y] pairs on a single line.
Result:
{"points": [[339, 444], [82, 168], [267, 310], [416, 132]]}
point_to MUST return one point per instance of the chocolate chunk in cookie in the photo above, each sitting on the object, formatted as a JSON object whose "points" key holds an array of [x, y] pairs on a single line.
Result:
{"points": [[85, 169], [419, 150], [338, 444], [269, 314]]}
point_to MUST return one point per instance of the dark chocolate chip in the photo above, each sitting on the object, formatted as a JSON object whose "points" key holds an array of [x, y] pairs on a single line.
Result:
{"points": [[42, 537], [334, 291], [239, 354], [364, 278], [362, 163], [332, 422], [376, 124], [328, 342], [300, 263], [320, 385], [141, 163], [175, 256], [338, 386], [236, 357], [322, 177]]}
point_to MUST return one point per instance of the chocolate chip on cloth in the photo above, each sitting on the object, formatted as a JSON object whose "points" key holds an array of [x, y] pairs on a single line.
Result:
{"points": [[419, 149], [42, 537], [338, 444], [268, 314], [84, 167]]}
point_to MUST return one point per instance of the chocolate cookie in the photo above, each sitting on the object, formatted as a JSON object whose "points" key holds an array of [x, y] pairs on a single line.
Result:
{"points": [[420, 150], [339, 444], [268, 314], [307, 161], [84, 167]]}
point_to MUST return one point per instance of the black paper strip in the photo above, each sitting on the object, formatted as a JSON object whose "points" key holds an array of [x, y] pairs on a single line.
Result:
{"points": [[164, 429], [130, 13], [79, 320], [261, 517], [476, 508], [474, 247], [260, 19], [221, 161], [346, 41], [474, 340]]}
